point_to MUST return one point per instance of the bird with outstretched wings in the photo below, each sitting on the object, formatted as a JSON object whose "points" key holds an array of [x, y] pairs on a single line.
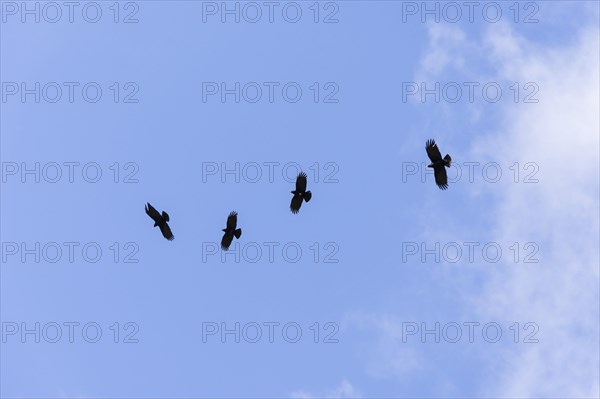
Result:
{"points": [[300, 193], [438, 164], [230, 231], [160, 220]]}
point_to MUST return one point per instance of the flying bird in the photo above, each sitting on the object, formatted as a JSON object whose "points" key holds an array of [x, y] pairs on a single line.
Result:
{"points": [[230, 231], [160, 221], [300, 193], [438, 164]]}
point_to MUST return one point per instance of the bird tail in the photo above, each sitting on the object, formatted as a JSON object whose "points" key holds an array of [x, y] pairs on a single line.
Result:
{"points": [[447, 160], [238, 233], [307, 196], [165, 216]]}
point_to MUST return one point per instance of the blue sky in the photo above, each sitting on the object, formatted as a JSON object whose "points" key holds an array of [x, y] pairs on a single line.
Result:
{"points": [[363, 208]]}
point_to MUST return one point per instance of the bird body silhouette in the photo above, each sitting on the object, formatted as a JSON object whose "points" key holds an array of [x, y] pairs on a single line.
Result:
{"points": [[438, 164], [230, 231], [300, 193], [160, 220]]}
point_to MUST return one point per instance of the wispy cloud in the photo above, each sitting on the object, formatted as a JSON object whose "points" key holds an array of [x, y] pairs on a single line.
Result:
{"points": [[343, 390], [386, 357], [561, 212], [445, 51]]}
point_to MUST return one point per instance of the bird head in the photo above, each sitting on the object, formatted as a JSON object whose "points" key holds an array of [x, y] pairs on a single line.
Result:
{"points": [[224, 230]]}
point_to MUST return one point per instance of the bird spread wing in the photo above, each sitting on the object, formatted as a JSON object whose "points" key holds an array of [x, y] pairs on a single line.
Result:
{"points": [[441, 178], [226, 241], [232, 221], [153, 213], [301, 182], [433, 152], [296, 203], [166, 232]]}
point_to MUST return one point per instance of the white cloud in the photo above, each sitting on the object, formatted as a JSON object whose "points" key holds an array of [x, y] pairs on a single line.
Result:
{"points": [[343, 390], [442, 53], [386, 357], [561, 213]]}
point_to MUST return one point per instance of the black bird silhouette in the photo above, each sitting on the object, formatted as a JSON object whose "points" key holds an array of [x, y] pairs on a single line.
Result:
{"points": [[300, 193], [230, 231], [160, 221], [438, 164]]}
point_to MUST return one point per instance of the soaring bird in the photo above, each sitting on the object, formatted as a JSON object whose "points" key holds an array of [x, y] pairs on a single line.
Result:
{"points": [[438, 164], [300, 193], [160, 221], [230, 231]]}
